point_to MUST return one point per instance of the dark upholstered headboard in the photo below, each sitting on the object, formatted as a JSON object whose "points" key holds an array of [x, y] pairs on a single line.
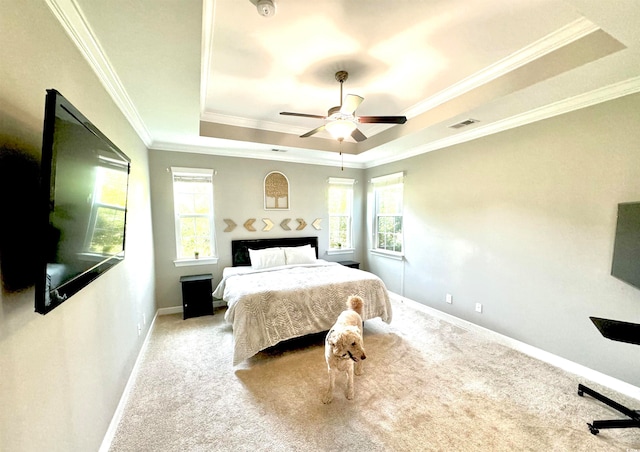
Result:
{"points": [[240, 248]]}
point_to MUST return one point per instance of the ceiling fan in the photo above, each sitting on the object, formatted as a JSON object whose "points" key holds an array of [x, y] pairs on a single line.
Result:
{"points": [[341, 120]]}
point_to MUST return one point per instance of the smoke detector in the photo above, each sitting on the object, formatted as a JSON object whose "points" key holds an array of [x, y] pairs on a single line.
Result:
{"points": [[266, 8]]}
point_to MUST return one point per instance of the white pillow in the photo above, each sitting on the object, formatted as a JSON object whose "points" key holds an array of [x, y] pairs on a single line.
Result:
{"points": [[266, 258], [300, 255]]}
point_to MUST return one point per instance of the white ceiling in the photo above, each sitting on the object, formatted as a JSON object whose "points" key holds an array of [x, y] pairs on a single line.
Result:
{"points": [[212, 76]]}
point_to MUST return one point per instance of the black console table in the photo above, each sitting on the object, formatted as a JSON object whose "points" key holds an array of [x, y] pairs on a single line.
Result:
{"points": [[622, 332], [197, 298]]}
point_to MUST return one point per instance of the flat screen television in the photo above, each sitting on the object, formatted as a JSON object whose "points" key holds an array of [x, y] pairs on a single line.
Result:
{"points": [[626, 248], [84, 184]]}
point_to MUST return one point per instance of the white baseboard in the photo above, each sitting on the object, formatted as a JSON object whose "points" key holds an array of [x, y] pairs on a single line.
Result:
{"points": [[171, 310], [117, 415], [178, 309], [578, 369]]}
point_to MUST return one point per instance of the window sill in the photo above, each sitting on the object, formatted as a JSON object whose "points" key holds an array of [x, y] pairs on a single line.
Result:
{"points": [[388, 254], [340, 251], [194, 262]]}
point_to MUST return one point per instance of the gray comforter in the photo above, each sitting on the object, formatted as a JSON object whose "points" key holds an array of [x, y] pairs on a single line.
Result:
{"points": [[272, 305]]}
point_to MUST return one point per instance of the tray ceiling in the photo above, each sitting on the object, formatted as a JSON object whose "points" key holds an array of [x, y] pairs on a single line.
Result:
{"points": [[212, 76]]}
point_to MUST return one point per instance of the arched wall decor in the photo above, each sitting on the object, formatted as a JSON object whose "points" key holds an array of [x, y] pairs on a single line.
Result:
{"points": [[276, 191]]}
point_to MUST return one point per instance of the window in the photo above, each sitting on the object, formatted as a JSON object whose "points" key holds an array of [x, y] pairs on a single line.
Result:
{"points": [[388, 195], [193, 208], [340, 213]]}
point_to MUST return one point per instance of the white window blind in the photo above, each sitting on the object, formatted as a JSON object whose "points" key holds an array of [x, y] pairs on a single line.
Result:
{"points": [[390, 179]]}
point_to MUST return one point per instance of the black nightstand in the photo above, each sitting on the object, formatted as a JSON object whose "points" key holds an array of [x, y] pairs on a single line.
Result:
{"points": [[352, 264], [197, 296]]}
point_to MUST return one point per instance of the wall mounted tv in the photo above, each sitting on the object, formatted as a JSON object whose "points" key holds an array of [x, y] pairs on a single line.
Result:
{"points": [[84, 183], [626, 248]]}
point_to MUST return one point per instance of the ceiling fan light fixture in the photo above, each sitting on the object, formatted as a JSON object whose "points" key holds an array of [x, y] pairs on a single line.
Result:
{"points": [[341, 120], [266, 8], [340, 128]]}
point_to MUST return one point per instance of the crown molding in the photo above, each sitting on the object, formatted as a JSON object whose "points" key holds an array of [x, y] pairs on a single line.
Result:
{"points": [[325, 158], [75, 24], [252, 123], [600, 95], [553, 41]]}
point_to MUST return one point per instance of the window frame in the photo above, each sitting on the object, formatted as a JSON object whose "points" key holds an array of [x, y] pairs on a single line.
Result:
{"points": [[380, 184], [335, 182], [206, 175]]}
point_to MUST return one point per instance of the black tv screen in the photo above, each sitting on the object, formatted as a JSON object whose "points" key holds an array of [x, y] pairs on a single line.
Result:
{"points": [[84, 183], [626, 248]]}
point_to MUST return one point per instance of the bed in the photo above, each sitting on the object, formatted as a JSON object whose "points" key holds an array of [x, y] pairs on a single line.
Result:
{"points": [[278, 289]]}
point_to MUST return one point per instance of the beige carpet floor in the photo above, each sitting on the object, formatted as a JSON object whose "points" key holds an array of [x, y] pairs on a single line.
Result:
{"points": [[428, 385]]}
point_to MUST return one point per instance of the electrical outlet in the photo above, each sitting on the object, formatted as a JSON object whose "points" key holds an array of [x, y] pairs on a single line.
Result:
{"points": [[478, 307], [449, 298]]}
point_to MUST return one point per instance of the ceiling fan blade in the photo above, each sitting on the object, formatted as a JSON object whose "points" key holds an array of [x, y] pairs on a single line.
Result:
{"points": [[351, 102], [312, 132], [357, 135], [382, 119], [304, 115]]}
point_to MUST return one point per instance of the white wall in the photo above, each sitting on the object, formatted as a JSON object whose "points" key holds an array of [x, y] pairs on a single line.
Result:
{"points": [[61, 375], [238, 195], [523, 222]]}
